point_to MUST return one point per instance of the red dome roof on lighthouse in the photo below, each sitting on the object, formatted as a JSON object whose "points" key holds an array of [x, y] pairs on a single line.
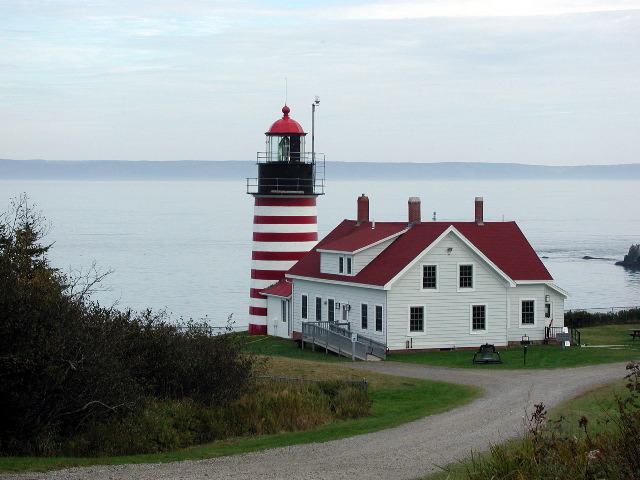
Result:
{"points": [[286, 125]]}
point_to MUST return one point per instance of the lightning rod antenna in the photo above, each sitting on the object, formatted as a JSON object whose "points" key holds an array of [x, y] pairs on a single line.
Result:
{"points": [[286, 90]]}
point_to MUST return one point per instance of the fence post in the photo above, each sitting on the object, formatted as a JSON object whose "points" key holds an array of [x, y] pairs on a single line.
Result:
{"points": [[326, 343]]}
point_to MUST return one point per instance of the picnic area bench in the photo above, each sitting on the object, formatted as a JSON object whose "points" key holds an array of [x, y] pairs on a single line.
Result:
{"points": [[635, 333]]}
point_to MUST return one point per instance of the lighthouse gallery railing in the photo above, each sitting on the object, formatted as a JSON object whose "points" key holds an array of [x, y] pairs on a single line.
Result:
{"points": [[313, 184]]}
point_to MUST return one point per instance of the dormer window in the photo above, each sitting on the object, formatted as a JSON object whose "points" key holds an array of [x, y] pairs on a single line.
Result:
{"points": [[345, 265]]}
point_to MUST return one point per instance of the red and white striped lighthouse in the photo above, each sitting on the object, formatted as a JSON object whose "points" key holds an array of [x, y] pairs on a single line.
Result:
{"points": [[285, 217]]}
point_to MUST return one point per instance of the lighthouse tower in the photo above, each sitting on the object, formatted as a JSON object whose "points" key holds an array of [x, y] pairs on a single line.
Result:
{"points": [[285, 217]]}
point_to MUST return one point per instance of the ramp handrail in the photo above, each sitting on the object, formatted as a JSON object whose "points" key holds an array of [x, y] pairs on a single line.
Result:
{"points": [[550, 333], [338, 337]]}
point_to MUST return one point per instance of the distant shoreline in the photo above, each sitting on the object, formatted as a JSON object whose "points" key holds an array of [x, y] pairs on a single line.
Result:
{"points": [[235, 169]]}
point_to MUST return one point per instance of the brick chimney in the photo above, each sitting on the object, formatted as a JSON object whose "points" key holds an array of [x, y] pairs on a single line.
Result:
{"points": [[479, 211], [414, 210], [363, 209]]}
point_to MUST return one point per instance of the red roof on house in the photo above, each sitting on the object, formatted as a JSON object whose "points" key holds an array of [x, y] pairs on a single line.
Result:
{"points": [[503, 243], [283, 288], [366, 234]]}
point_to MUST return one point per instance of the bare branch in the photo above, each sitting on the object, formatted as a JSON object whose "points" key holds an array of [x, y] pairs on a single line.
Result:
{"points": [[98, 402], [82, 283]]}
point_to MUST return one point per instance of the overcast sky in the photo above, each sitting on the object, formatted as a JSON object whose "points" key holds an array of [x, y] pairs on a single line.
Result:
{"points": [[554, 82]]}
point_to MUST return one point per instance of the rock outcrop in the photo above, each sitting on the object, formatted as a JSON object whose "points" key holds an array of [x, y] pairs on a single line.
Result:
{"points": [[632, 259]]}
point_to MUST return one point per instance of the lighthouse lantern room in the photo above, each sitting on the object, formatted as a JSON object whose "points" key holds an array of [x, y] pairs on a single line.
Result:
{"points": [[285, 217]]}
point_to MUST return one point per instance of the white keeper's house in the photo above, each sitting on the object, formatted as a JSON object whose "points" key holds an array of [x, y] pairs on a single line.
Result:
{"points": [[419, 285]]}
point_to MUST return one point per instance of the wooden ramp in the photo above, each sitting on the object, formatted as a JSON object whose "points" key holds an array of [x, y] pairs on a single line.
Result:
{"points": [[338, 338]]}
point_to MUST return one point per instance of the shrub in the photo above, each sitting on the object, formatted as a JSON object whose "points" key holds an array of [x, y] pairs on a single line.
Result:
{"points": [[66, 362], [581, 318], [550, 451], [81, 379], [158, 425]]}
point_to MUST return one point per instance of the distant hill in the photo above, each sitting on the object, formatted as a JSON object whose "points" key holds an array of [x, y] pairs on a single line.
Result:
{"points": [[234, 170]]}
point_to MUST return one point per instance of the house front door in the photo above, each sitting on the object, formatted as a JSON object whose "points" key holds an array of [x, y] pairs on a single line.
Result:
{"points": [[284, 324]]}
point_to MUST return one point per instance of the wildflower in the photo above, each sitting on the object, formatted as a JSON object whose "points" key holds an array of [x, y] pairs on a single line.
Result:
{"points": [[593, 454]]}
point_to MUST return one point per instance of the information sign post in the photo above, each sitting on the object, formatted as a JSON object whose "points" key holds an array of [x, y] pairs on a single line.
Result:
{"points": [[563, 337]]}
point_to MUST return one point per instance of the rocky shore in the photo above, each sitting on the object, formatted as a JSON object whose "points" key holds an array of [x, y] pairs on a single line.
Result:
{"points": [[632, 259]]}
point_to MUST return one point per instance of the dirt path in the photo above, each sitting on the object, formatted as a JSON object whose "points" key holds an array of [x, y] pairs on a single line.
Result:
{"points": [[405, 452]]}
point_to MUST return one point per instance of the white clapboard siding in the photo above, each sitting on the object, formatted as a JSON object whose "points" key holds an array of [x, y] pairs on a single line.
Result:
{"points": [[534, 292], [276, 325], [343, 294], [329, 262], [447, 311], [557, 310]]}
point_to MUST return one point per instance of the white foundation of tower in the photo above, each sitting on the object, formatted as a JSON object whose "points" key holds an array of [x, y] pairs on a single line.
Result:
{"points": [[284, 229]]}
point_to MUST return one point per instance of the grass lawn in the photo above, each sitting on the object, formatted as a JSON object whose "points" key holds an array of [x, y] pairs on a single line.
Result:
{"points": [[396, 400], [282, 347], [605, 344]]}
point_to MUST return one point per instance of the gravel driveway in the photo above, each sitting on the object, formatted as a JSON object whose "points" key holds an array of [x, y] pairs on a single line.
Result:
{"points": [[405, 452]]}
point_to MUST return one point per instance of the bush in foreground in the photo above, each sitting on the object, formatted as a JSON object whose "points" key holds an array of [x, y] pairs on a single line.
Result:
{"points": [[67, 363], [163, 425], [550, 451]]}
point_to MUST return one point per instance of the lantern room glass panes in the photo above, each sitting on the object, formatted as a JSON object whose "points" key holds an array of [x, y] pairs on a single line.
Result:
{"points": [[285, 148]]}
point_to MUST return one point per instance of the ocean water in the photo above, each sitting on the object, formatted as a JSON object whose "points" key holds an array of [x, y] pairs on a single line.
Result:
{"points": [[185, 246]]}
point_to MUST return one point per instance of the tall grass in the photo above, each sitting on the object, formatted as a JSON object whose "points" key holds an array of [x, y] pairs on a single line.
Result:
{"points": [[554, 450], [394, 400], [165, 425]]}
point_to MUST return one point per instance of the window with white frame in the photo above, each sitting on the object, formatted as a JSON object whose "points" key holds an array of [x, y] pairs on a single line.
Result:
{"points": [[345, 265], [416, 319], [318, 309], [465, 276], [547, 310], [429, 277], [304, 306], [378, 318], [528, 312], [331, 310], [364, 316], [478, 318]]}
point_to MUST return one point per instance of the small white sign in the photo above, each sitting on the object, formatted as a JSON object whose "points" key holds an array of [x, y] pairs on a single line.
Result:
{"points": [[354, 337], [563, 337]]}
